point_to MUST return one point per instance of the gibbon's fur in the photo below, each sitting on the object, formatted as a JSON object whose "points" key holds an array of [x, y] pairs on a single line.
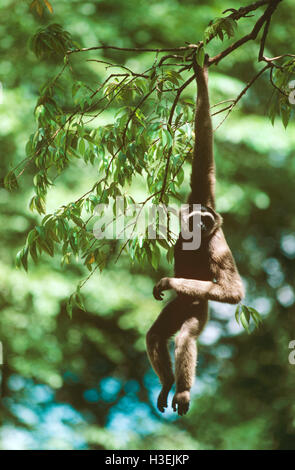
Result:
{"points": [[208, 273]]}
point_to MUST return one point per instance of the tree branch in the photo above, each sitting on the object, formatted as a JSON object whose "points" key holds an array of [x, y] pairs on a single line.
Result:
{"points": [[135, 49], [272, 5]]}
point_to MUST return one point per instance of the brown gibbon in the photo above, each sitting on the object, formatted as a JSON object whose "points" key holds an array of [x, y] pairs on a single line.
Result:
{"points": [[203, 274]]}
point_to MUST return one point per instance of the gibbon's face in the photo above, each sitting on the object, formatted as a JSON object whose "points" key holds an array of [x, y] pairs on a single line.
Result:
{"points": [[208, 220]]}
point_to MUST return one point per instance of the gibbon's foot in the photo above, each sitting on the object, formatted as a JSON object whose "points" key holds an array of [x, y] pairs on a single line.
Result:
{"points": [[162, 285], [180, 402], [162, 400]]}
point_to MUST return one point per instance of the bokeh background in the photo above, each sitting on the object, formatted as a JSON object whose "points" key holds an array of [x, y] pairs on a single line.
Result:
{"points": [[85, 382]]}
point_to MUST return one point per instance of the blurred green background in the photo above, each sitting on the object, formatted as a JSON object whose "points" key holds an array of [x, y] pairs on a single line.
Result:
{"points": [[85, 382]]}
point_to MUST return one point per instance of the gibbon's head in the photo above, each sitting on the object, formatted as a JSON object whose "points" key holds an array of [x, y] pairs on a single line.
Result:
{"points": [[207, 219]]}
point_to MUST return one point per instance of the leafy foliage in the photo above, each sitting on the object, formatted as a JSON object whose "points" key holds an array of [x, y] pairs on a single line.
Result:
{"points": [[280, 104], [51, 40], [220, 27], [143, 139], [244, 314]]}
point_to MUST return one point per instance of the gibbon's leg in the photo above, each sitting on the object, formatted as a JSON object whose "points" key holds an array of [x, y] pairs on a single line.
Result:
{"points": [[186, 355], [167, 324]]}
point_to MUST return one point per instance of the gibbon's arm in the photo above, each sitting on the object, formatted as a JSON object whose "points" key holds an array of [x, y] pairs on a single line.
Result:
{"points": [[203, 167], [227, 286]]}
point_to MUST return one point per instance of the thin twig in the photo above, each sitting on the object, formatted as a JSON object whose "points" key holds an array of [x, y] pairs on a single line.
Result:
{"points": [[135, 49], [222, 110], [118, 66], [230, 108], [222, 102]]}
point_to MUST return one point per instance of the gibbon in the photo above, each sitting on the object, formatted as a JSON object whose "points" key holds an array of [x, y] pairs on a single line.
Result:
{"points": [[207, 273]]}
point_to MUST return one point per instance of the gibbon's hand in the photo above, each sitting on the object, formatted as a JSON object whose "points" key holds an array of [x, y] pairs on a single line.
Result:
{"points": [[162, 285]]}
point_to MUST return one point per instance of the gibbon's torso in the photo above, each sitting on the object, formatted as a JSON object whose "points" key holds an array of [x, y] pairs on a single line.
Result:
{"points": [[193, 264]]}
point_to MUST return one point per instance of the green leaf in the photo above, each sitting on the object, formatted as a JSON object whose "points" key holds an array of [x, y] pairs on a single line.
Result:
{"points": [[40, 204], [237, 314], [246, 313], [255, 315], [155, 257], [229, 26], [200, 57], [274, 107], [81, 147], [167, 139], [77, 220], [32, 204], [285, 113], [220, 34], [22, 256], [10, 181], [244, 321], [170, 254], [79, 301], [18, 259], [32, 236], [69, 306], [180, 177], [33, 252]]}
